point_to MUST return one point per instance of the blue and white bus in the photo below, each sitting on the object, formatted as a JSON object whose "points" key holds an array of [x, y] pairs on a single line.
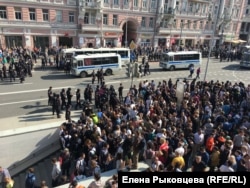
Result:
{"points": [[83, 65], [180, 60], [69, 53]]}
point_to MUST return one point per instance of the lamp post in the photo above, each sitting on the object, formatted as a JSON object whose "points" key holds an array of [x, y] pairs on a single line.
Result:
{"points": [[181, 33], [211, 43], [126, 31]]}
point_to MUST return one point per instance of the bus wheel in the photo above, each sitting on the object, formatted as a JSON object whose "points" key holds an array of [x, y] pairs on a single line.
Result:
{"points": [[172, 68], [83, 75], [108, 72]]}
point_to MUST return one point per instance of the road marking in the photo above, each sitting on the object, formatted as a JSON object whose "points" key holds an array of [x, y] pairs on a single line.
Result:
{"points": [[36, 90], [35, 100]]}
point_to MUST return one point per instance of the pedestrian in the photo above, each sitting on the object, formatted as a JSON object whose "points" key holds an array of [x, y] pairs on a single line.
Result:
{"points": [[78, 99], [68, 112], [191, 70], [58, 105], [56, 172], [98, 77], [63, 99], [11, 73], [75, 184], [53, 101], [69, 96], [93, 76], [1, 74], [50, 96], [9, 182], [43, 184], [30, 179], [120, 92], [198, 71], [4, 69], [4, 173]]}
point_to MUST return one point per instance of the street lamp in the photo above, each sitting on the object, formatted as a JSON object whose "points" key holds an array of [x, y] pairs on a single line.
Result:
{"points": [[126, 31], [211, 43]]}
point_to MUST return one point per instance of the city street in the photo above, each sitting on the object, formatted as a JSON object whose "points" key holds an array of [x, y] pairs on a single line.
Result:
{"points": [[31, 97]]}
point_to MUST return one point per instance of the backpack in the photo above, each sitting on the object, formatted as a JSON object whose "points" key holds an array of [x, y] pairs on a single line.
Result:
{"points": [[29, 182]]}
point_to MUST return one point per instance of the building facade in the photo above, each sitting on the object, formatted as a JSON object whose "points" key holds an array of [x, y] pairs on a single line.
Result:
{"points": [[96, 23], [245, 26]]}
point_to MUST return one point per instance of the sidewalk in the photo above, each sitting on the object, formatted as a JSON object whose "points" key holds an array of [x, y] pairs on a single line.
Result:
{"points": [[33, 122]]}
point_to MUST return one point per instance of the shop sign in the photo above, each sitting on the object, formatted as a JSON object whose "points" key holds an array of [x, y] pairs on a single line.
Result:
{"points": [[110, 34]]}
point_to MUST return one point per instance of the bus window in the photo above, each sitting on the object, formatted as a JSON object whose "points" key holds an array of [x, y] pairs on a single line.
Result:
{"points": [[79, 63], [96, 61], [123, 53], [87, 62]]}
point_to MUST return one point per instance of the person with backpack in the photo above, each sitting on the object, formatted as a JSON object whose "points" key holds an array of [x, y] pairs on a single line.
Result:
{"points": [[191, 70], [30, 179]]}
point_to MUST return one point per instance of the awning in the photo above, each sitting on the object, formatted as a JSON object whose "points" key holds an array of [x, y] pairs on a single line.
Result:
{"points": [[236, 41]]}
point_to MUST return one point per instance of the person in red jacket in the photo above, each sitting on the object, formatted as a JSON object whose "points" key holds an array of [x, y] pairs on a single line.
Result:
{"points": [[210, 143]]}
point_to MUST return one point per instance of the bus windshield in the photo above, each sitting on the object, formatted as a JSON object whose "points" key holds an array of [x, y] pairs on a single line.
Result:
{"points": [[165, 57]]}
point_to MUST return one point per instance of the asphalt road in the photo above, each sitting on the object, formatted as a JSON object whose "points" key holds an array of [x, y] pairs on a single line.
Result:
{"points": [[31, 97]]}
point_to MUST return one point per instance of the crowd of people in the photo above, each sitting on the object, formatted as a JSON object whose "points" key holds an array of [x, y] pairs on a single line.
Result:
{"points": [[208, 130]]}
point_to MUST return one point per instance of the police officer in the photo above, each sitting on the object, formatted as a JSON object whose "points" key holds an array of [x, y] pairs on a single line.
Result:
{"points": [[69, 95], [50, 95], [78, 99], [63, 99]]}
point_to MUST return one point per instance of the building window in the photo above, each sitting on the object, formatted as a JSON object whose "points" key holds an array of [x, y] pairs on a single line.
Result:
{"points": [[86, 18], [105, 19], [3, 14], [32, 13], [106, 1], [135, 3], [195, 24], [58, 16], [190, 7], [182, 23], [247, 11], [201, 24], [174, 24], [71, 17], [45, 15], [204, 8], [115, 20], [92, 17], [206, 25], [184, 6], [248, 27], [166, 5], [116, 2], [153, 4], [18, 13], [189, 24], [125, 2], [151, 22], [143, 22], [177, 5], [144, 3]]}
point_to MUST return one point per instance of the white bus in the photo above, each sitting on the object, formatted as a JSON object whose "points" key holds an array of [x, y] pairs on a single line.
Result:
{"points": [[83, 65], [180, 60], [69, 53], [245, 60]]}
